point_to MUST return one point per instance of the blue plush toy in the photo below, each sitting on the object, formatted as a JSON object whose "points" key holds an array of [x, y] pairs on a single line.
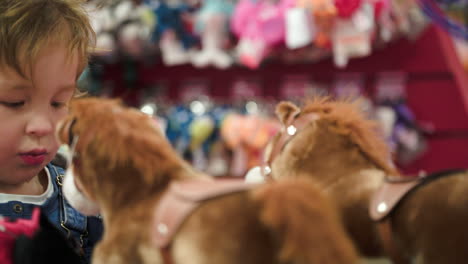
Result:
{"points": [[170, 18], [170, 32]]}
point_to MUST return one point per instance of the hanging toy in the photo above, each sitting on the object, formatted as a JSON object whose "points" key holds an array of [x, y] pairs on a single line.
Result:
{"points": [[352, 37], [300, 27], [259, 25], [383, 17], [324, 13], [212, 25], [347, 8], [409, 18], [103, 24], [170, 32], [133, 31]]}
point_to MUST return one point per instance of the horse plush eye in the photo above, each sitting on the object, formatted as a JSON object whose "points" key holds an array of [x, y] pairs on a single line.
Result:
{"points": [[70, 132]]}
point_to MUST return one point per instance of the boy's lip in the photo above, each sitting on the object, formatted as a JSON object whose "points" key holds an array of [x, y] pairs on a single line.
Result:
{"points": [[34, 157], [38, 151]]}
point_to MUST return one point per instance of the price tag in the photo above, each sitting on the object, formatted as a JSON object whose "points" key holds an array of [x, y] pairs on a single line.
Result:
{"points": [[193, 89], [243, 88], [349, 85], [390, 86], [294, 87]]}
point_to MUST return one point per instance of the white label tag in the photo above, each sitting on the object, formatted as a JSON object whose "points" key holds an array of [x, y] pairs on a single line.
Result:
{"points": [[300, 30], [349, 42], [364, 18]]}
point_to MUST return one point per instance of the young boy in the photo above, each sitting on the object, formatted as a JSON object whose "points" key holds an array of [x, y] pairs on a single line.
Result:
{"points": [[44, 46]]}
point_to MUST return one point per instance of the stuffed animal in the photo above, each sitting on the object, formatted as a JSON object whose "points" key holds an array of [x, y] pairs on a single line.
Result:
{"points": [[212, 25], [125, 166], [406, 218], [353, 37], [260, 26], [324, 13], [170, 31]]}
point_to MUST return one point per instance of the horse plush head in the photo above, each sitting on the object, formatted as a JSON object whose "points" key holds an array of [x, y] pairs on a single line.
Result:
{"points": [[335, 137], [334, 143], [123, 147], [157, 209]]}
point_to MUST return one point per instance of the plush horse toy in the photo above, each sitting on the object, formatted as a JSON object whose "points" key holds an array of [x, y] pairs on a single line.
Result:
{"points": [[123, 164], [417, 220]]}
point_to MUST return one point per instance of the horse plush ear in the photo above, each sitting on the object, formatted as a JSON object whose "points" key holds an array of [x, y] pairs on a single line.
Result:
{"points": [[285, 110]]}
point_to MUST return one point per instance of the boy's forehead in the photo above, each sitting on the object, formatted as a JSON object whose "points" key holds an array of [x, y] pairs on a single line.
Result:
{"points": [[53, 66], [57, 52]]}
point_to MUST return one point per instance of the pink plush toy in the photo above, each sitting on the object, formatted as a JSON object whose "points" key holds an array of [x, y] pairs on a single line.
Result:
{"points": [[259, 25], [10, 230]]}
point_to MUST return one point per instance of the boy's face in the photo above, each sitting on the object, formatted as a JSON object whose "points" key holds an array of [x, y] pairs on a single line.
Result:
{"points": [[29, 110]]}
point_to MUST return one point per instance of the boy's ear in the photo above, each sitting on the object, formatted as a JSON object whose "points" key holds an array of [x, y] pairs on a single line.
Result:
{"points": [[285, 110]]}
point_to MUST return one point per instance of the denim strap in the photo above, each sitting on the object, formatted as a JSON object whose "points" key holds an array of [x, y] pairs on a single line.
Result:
{"points": [[70, 220]]}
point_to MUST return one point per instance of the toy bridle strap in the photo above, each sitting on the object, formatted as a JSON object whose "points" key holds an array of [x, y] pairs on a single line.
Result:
{"points": [[295, 123]]}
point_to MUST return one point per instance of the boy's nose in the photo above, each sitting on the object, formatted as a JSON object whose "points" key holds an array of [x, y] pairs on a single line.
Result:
{"points": [[40, 125]]}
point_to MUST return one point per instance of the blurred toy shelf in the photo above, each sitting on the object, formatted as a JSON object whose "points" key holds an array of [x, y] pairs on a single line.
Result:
{"points": [[436, 88]]}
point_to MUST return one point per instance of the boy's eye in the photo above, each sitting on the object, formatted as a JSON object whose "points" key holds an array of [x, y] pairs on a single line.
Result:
{"points": [[13, 104], [58, 104]]}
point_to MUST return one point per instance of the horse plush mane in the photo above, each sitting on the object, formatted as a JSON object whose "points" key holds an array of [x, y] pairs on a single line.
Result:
{"points": [[340, 127], [349, 119], [123, 164]]}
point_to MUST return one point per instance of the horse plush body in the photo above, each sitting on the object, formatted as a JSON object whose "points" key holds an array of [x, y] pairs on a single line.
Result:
{"points": [[341, 149], [122, 166]]}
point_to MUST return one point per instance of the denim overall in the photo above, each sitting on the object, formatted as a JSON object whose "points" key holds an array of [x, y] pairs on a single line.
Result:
{"points": [[85, 231]]}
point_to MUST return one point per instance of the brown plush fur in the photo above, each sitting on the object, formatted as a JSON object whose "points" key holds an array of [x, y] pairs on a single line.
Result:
{"points": [[125, 165], [345, 154]]}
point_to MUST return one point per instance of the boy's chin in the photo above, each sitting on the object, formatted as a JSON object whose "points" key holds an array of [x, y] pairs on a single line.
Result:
{"points": [[76, 199]]}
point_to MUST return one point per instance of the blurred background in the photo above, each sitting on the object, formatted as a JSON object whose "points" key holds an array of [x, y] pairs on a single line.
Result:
{"points": [[211, 72]]}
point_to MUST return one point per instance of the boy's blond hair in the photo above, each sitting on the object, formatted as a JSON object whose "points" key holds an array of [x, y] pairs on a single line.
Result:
{"points": [[27, 26]]}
